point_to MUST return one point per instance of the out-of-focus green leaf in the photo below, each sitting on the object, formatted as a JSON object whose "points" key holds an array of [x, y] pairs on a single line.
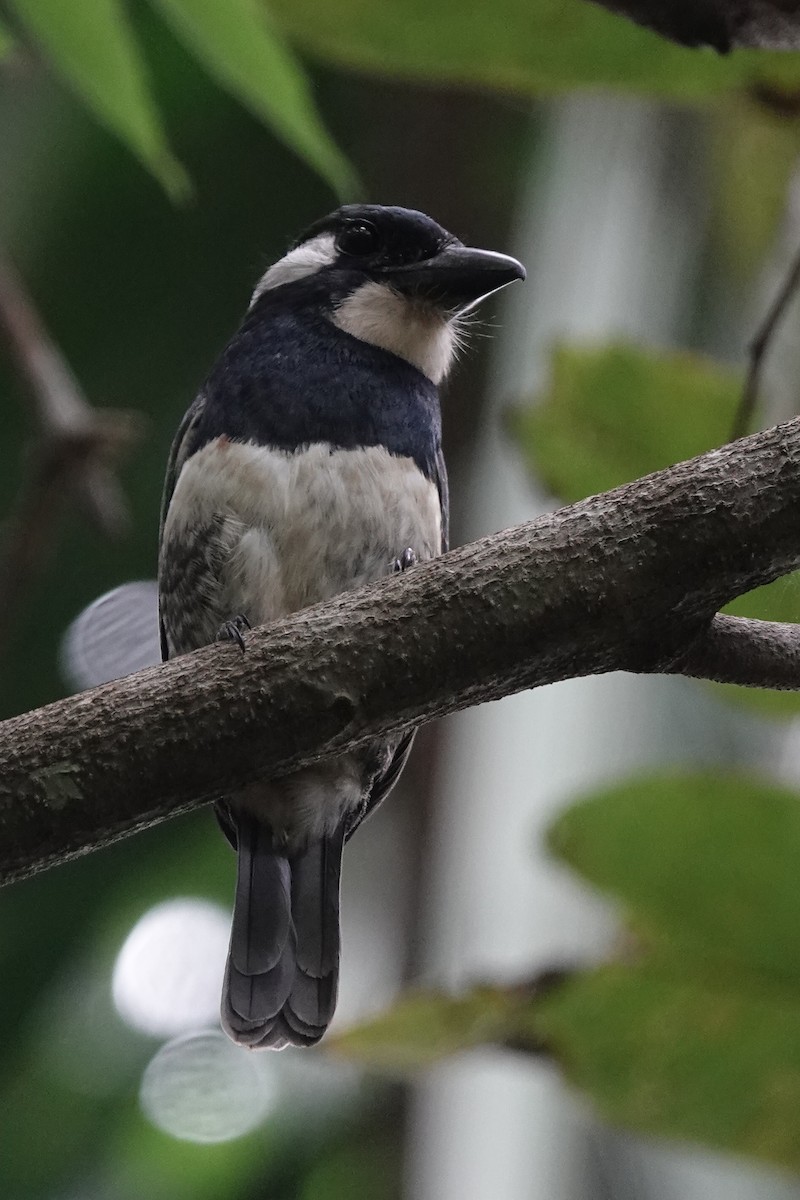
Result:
{"points": [[91, 44], [7, 42], [755, 151], [679, 1057], [613, 413], [706, 865], [699, 1038], [361, 1167], [528, 46], [659, 1050], [158, 1166], [244, 53], [426, 1026]]}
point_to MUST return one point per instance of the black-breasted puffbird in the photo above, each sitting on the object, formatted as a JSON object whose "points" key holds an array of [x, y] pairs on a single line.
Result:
{"points": [[309, 464]]}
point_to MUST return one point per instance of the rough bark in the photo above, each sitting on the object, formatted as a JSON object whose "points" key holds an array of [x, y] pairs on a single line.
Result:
{"points": [[628, 580]]}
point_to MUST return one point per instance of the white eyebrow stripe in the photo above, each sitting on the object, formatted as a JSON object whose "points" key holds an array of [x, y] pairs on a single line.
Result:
{"points": [[304, 260]]}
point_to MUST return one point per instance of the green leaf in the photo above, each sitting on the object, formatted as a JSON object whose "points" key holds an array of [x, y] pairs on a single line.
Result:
{"points": [[245, 54], [674, 1056], [700, 1039], [754, 151], [529, 46], [7, 42], [91, 44], [659, 1051], [426, 1026], [613, 413], [706, 865]]}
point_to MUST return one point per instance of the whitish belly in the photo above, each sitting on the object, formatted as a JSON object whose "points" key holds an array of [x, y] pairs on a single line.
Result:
{"points": [[299, 527]]}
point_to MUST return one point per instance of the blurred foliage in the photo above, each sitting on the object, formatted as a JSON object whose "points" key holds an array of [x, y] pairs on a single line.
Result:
{"points": [[365, 1169], [656, 1048], [694, 1033], [515, 45], [244, 53], [613, 413], [755, 150], [426, 1026], [530, 46], [666, 1052], [93, 47], [90, 43], [698, 1038], [705, 865], [141, 295], [6, 40]]}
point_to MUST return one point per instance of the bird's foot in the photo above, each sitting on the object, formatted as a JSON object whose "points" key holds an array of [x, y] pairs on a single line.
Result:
{"points": [[233, 630], [407, 559]]}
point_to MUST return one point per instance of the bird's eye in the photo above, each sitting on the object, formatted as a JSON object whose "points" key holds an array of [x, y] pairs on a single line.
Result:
{"points": [[358, 240]]}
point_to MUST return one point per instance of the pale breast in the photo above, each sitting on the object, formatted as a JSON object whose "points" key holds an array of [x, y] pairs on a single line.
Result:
{"points": [[301, 526], [264, 532]]}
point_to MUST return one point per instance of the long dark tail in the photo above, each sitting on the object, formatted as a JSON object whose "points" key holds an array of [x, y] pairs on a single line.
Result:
{"points": [[283, 964]]}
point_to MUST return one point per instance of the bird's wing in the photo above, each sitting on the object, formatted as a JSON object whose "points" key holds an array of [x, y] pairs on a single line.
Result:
{"points": [[181, 448], [444, 497], [385, 781]]}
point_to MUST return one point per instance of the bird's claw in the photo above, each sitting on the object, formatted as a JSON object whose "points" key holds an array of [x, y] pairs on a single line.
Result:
{"points": [[233, 630], [407, 559]]}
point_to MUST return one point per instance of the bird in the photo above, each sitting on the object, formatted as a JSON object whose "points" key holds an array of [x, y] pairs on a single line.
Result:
{"points": [[310, 463]]}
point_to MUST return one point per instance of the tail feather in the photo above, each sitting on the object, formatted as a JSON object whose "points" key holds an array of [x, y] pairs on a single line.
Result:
{"points": [[315, 905], [316, 877], [261, 961], [252, 1005], [311, 1004], [283, 968], [262, 916], [254, 999]]}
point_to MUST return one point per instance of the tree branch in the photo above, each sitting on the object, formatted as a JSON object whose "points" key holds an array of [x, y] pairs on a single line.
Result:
{"points": [[723, 24], [760, 344], [738, 650], [77, 445], [628, 580]]}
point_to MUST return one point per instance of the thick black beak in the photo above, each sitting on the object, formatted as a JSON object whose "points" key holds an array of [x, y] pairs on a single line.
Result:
{"points": [[457, 277]]}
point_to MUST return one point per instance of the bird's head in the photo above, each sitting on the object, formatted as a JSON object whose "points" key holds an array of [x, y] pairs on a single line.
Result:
{"points": [[391, 277]]}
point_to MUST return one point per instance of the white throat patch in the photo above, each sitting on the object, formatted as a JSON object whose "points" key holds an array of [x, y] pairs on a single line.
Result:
{"points": [[305, 260], [419, 333]]}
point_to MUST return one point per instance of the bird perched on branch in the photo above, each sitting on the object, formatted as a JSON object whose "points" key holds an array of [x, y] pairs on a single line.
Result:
{"points": [[309, 464]]}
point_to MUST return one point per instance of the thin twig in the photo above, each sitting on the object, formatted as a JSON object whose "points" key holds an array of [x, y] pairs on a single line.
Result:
{"points": [[76, 448], [744, 651], [759, 346]]}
